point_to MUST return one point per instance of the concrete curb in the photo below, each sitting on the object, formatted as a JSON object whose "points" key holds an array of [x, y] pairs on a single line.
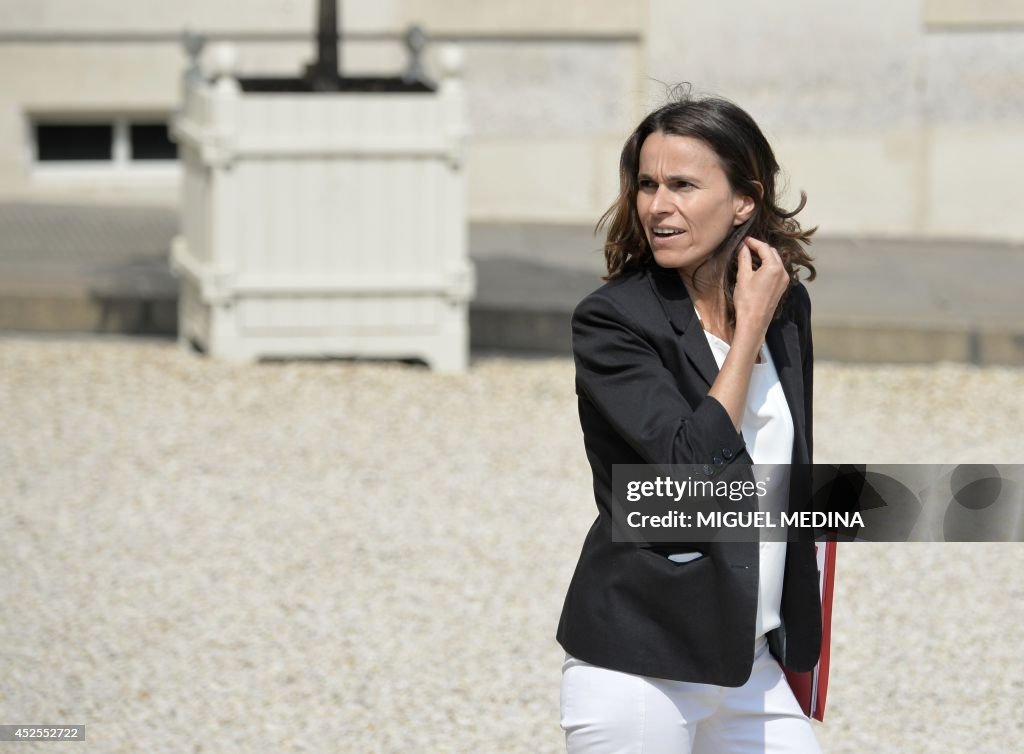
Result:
{"points": [[104, 270], [536, 330]]}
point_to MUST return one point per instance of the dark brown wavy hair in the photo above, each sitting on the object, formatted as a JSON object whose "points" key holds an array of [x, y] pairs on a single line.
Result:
{"points": [[748, 162]]}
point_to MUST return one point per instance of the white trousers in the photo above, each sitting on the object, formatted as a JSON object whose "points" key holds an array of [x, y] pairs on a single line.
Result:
{"points": [[609, 712]]}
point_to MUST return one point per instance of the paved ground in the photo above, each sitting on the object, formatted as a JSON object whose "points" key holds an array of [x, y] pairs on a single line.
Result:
{"points": [[101, 269], [344, 557]]}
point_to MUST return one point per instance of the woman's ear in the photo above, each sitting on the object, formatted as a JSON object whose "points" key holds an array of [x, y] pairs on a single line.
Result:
{"points": [[744, 206]]}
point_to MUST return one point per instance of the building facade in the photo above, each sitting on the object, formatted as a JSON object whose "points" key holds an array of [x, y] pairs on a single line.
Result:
{"points": [[897, 118]]}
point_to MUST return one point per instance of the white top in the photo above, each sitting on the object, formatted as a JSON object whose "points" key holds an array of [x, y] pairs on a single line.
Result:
{"points": [[768, 433]]}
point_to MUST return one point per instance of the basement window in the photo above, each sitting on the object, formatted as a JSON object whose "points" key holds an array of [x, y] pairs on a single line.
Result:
{"points": [[107, 145], [151, 141], [74, 142]]}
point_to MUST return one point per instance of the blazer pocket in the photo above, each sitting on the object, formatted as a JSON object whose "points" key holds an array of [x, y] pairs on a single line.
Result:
{"points": [[673, 560]]}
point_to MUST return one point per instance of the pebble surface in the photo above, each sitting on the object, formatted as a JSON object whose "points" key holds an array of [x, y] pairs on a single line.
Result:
{"points": [[370, 557]]}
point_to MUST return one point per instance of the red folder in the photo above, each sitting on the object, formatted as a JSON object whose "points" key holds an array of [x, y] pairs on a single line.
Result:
{"points": [[810, 688]]}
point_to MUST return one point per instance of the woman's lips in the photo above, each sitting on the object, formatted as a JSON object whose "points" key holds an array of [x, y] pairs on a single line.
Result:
{"points": [[657, 240]]}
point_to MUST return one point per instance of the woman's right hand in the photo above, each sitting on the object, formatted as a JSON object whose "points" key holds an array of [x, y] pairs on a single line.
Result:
{"points": [[757, 292]]}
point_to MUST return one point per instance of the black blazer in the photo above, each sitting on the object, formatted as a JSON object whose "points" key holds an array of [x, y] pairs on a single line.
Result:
{"points": [[643, 371]]}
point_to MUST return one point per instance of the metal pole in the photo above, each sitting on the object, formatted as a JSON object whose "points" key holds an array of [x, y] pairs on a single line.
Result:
{"points": [[323, 74]]}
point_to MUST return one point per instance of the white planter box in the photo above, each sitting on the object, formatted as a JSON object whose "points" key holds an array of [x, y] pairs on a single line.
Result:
{"points": [[324, 224]]}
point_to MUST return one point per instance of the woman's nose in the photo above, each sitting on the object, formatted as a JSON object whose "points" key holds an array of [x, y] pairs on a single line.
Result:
{"points": [[660, 204]]}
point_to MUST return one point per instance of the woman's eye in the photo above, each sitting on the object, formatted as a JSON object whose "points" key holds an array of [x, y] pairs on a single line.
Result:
{"points": [[649, 184]]}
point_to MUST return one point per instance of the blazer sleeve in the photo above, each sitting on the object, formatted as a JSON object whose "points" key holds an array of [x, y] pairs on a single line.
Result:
{"points": [[622, 374]]}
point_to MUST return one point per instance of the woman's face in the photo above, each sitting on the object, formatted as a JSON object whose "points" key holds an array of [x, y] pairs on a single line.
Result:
{"points": [[684, 201]]}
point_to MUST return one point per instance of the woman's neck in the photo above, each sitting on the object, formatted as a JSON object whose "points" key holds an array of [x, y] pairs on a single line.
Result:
{"points": [[709, 301]]}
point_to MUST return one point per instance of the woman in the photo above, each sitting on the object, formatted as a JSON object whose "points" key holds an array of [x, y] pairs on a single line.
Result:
{"points": [[697, 350]]}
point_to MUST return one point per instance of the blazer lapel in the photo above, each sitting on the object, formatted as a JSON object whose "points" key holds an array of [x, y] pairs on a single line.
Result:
{"points": [[675, 300], [783, 340]]}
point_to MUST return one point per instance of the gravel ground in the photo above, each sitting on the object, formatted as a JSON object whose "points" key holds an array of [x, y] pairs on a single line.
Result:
{"points": [[368, 557]]}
